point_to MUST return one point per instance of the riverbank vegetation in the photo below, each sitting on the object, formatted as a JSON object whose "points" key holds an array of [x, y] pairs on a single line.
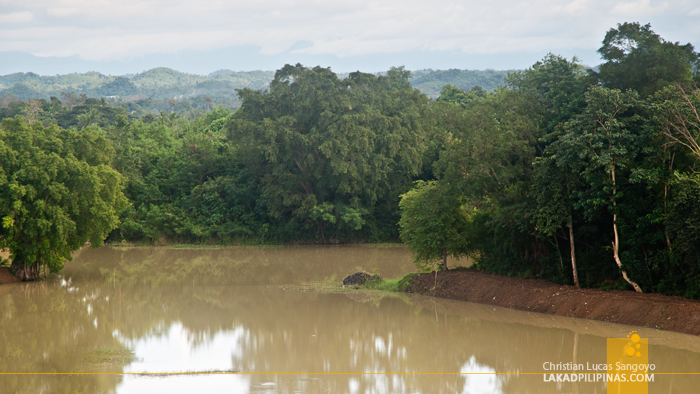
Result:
{"points": [[577, 176], [567, 173]]}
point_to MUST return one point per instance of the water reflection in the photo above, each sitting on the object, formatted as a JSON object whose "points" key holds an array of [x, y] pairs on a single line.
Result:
{"points": [[222, 309]]}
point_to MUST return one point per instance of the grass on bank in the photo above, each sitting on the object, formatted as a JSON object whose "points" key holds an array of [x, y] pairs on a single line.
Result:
{"points": [[396, 285]]}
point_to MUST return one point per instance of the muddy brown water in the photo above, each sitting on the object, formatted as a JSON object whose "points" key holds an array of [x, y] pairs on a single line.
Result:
{"points": [[243, 309]]}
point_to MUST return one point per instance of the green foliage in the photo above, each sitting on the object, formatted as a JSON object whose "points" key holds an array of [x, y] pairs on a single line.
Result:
{"points": [[431, 82], [639, 59], [490, 144], [158, 83], [11, 79], [604, 162], [405, 283], [455, 95], [395, 285], [599, 144], [434, 224], [330, 152], [120, 86], [57, 191], [559, 85], [86, 112], [150, 91], [683, 219], [184, 181], [23, 92]]}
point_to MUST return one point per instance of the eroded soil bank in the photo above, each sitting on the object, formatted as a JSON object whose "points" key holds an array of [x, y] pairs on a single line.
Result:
{"points": [[6, 276], [537, 295]]}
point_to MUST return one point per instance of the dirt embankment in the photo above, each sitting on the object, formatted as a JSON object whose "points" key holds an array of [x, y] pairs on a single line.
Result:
{"points": [[6, 276], [537, 295]]}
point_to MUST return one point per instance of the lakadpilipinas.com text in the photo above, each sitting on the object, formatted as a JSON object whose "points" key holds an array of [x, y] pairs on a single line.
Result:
{"points": [[618, 372]]}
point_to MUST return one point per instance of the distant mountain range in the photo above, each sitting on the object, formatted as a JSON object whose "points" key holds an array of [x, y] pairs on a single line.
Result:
{"points": [[164, 83]]}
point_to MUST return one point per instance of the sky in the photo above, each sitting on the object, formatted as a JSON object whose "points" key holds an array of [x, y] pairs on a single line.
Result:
{"points": [[129, 36]]}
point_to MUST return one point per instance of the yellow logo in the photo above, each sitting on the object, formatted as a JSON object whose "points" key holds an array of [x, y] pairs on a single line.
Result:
{"points": [[633, 348], [628, 365]]}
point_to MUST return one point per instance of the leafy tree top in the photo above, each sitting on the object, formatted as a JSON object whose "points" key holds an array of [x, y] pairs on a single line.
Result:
{"points": [[639, 59], [320, 139], [57, 191]]}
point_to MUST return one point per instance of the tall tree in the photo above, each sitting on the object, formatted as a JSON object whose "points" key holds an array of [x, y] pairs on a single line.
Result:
{"points": [[559, 85], [552, 187], [489, 146], [639, 59], [434, 224], [678, 110], [57, 191], [331, 149], [602, 142]]}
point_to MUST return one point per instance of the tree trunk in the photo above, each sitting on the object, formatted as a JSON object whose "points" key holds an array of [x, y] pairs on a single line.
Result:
{"points": [[571, 241], [561, 260], [616, 242], [619, 263], [573, 250], [444, 259], [668, 241], [24, 272]]}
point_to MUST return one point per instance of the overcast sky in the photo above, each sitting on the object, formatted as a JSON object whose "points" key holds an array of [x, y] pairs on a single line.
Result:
{"points": [[128, 36]]}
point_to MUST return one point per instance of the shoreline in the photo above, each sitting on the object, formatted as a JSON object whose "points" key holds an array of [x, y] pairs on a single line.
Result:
{"points": [[650, 310]]}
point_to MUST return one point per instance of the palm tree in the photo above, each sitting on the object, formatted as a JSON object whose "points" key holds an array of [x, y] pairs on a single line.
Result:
{"points": [[88, 118]]}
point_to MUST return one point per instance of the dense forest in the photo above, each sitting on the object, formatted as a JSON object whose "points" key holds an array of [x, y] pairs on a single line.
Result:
{"points": [[152, 91], [164, 89], [581, 176]]}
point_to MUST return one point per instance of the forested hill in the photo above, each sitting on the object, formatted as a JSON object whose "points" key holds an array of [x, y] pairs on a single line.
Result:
{"points": [[158, 83], [431, 82], [164, 83]]}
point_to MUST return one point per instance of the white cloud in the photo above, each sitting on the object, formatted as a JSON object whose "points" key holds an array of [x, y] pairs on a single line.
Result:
{"points": [[63, 11], [638, 8], [17, 17], [109, 30], [695, 12], [576, 7]]}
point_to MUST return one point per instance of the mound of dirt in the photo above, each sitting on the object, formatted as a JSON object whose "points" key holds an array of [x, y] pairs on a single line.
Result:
{"points": [[359, 278], [537, 295], [6, 276]]}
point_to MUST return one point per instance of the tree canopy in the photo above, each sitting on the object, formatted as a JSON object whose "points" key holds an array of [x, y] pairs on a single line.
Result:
{"points": [[330, 151], [57, 192], [639, 59], [434, 224]]}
